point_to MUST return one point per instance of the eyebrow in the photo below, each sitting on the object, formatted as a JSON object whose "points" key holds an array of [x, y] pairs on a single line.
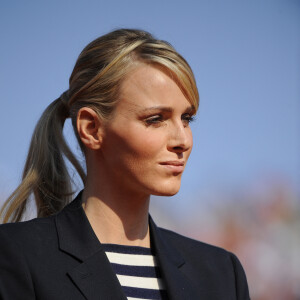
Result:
{"points": [[168, 109]]}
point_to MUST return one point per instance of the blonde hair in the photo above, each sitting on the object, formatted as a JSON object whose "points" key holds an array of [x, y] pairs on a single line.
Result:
{"points": [[95, 83]]}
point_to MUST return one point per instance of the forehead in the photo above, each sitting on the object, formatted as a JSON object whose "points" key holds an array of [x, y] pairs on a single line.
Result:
{"points": [[149, 85]]}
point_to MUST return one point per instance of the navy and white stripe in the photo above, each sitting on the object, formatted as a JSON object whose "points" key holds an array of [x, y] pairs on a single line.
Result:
{"points": [[137, 270]]}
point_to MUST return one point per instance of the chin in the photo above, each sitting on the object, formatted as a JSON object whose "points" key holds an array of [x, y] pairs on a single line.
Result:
{"points": [[166, 194], [166, 190]]}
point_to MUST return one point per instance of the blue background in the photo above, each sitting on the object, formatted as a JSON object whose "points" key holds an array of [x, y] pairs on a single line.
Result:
{"points": [[245, 56]]}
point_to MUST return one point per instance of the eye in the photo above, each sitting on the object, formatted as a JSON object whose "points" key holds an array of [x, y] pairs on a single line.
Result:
{"points": [[187, 119], [154, 119]]}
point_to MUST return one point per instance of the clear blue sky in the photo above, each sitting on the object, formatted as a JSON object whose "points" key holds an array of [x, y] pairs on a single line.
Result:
{"points": [[246, 59]]}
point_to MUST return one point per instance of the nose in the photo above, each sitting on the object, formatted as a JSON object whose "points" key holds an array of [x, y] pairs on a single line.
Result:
{"points": [[180, 138]]}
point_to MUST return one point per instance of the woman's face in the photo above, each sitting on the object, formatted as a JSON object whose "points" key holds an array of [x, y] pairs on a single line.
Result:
{"points": [[148, 141]]}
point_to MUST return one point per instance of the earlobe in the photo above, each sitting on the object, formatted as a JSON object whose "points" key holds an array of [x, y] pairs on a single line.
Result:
{"points": [[89, 127]]}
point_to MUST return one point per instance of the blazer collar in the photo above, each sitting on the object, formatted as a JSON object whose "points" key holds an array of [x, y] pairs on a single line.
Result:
{"points": [[94, 275], [75, 234]]}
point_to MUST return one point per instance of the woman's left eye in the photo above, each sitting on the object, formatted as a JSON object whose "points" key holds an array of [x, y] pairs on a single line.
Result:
{"points": [[187, 118]]}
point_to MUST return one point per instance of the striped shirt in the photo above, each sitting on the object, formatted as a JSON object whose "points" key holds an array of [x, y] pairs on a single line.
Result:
{"points": [[137, 271]]}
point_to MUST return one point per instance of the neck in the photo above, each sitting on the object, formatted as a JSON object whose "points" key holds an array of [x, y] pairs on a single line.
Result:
{"points": [[116, 215]]}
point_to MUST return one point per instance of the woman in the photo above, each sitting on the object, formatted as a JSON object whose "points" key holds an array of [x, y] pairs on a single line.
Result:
{"points": [[131, 99]]}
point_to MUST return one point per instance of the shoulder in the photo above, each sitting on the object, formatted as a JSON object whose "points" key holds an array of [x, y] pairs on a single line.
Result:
{"points": [[191, 246], [27, 232], [195, 251], [25, 226], [217, 265], [23, 247]]}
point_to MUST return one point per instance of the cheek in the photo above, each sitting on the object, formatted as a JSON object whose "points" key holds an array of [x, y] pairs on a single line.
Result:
{"points": [[146, 144], [134, 146]]}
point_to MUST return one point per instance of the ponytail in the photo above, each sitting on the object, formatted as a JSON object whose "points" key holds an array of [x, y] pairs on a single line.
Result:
{"points": [[45, 174]]}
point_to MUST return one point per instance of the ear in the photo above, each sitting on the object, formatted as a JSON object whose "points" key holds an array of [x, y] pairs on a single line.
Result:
{"points": [[89, 127]]}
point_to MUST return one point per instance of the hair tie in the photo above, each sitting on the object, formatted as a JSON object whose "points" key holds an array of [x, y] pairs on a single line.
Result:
{"points": [[64, 97]]}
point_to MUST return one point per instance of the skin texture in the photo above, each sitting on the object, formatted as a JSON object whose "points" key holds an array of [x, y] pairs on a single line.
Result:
{"points": [[141, 151]]}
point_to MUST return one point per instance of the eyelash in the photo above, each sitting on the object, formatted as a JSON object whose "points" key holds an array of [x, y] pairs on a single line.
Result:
{"points": [[188, 118], [159, 118]]}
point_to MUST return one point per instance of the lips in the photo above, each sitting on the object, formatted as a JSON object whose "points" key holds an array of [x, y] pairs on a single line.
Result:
{"points": [[175, 166]]}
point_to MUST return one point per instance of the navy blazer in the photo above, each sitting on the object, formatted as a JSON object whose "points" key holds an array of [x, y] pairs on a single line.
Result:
{"points": [[60, 258]]}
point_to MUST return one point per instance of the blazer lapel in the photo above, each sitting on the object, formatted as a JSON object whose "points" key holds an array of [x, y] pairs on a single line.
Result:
{"points": [[95, 279], [93, 275], [170, 261]]}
